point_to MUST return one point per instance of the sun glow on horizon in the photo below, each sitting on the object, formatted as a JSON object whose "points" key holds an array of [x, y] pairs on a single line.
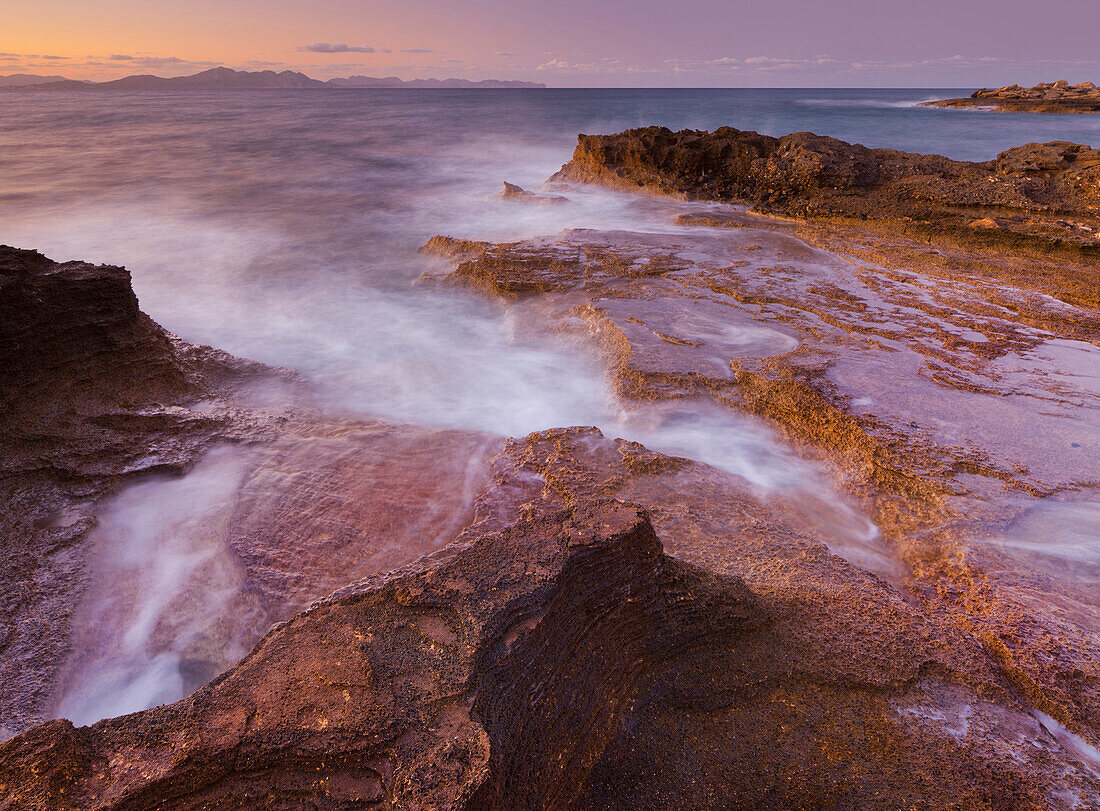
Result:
{"points": [[614, 43]]}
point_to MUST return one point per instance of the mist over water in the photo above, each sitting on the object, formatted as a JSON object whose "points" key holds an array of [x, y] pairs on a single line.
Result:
{"points": [[283, 227], [166, 610]]}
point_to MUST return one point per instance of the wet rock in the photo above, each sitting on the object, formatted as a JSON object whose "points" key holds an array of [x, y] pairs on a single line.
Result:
{"points": [[546, 651], [101, 406], [563, 662], [329, 503], [92, 393], [867, 356], [516, 194], [811, 176], [249, 537]]}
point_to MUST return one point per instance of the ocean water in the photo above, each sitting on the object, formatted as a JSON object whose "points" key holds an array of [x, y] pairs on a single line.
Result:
{"points": [[282, 226]]}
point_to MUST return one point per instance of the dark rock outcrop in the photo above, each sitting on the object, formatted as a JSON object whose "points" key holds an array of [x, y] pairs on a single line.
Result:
{"points": [[90, 395], [1040, 195], [73, 332], [1045, 97]]}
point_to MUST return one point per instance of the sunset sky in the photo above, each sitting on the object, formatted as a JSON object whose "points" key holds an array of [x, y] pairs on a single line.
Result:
{"points": [[568, 43]]}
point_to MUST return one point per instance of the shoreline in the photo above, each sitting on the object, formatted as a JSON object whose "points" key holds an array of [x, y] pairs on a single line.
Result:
{"points": [[593, 602], [1051, 97]]}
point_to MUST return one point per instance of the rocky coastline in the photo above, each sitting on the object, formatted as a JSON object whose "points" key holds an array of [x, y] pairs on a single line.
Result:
{"points": [[1040, 196], [1048, 97], [441, 618]]}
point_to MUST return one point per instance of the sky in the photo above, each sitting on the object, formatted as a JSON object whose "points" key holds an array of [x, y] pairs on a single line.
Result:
{"points": [[567, 43]]}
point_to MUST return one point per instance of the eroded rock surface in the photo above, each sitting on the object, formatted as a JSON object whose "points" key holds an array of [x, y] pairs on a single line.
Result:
{"points": [[1042, 196], [90, 394], [956, 400], [112, 562], [1045, 97], [563, 662]]}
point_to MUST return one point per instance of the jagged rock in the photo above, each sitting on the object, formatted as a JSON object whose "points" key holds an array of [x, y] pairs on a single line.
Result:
{"points": [[811, 176], [73, 332], [1050, 97], [564, 662], [552, 655], [517, 194], [90, 395], [452, 248]]}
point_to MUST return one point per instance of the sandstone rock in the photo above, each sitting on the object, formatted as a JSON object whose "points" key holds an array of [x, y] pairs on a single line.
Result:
{"points": [[453, 248], [546, 651], [73, 332], [97, 399], [90, 395], [809, 176], [869, 361], [564, 662]]}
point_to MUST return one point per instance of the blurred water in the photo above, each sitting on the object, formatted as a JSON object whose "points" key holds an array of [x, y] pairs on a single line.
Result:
{"points": [[282, 226]]}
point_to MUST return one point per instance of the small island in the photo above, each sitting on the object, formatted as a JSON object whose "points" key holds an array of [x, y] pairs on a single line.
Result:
{"points": [[1045, 97]]}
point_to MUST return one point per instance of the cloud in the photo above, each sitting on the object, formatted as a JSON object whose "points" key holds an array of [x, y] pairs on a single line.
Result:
{"points": [[728, 65], [504, 53], [51, 56], [947, 62], [605, 65], [417, 51], [339, 48], [166, 61], [120, 57]]}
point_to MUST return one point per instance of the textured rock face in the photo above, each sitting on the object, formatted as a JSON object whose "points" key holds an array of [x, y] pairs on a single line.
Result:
{"points": [[96, 399], [931, 379], [806, 175], [89, 394], [1045, 97], [74, 331], [386, 677], [564, 662]]}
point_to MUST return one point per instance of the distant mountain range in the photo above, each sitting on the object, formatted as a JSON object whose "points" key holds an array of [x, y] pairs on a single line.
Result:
{"points": [[27, 79], [228, 79]]}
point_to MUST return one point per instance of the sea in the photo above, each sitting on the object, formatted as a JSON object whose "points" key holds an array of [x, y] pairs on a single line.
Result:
{"points": [[282, 225]]}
